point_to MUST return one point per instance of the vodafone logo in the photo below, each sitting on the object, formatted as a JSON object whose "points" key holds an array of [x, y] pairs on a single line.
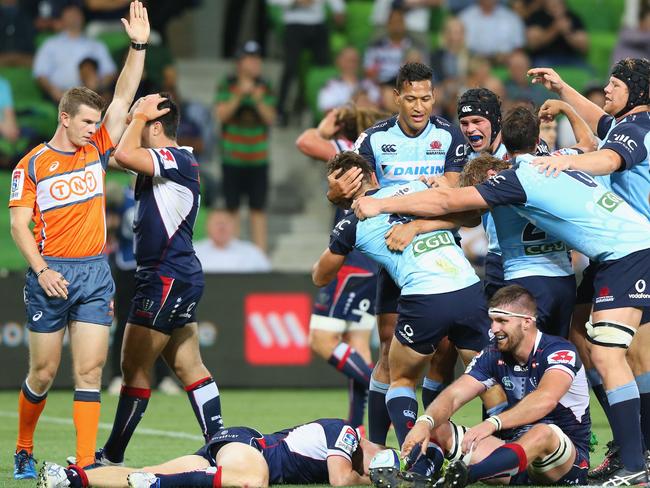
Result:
{"points": [[62, 189]]}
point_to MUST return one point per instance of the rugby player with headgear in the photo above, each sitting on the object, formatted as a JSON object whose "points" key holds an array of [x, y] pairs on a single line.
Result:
{"points": [[622, 163]]}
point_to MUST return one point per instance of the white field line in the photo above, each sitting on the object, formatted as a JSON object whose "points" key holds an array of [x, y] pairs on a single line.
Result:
{"points": [[104, 426]]}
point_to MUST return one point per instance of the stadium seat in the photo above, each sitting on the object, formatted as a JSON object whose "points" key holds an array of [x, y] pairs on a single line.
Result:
{"points": [[601, 46], [500, 72], [599, 15], [578, 78], [358, 27], [316, 78], [436, 23], [23, 85]]}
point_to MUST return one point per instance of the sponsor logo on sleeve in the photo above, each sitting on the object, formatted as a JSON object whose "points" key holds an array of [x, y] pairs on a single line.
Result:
{"points": [[347, 440], [562, 357], [17, 183]]}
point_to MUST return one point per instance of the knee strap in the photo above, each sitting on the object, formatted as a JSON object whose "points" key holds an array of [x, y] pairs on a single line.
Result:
{"points": [[558, 457], [610, 334]]}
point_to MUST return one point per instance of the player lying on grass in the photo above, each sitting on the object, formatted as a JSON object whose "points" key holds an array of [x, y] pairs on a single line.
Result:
{"points": [[548, 408], [321, 451]]}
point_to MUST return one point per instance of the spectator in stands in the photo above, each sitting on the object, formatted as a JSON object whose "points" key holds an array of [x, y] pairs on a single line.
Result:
{"points": [[16, 35], [518, 86], [338, 91], [525, 8], [634, 40], [388, 103], [104, 15], [384, 57], [479, 75], [492, 30], [417, 16], [245, 107], [57, 60], [566, 138], [305, 28], [221, 252], [556, 35], [449, 62], [47, 13]]}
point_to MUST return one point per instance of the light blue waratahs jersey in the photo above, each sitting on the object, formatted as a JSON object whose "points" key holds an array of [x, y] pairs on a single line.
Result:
{"points": [[398, 158], [586, 215], [431, 264], [488, 221], [630, 139]]}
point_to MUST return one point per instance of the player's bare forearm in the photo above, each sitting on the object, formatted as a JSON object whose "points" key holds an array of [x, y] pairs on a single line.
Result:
{"points": [[312, 144], [452, 398], [589, 111], [325, 269], [129, 153], [597, 163], [341, 473], [24, 238]]}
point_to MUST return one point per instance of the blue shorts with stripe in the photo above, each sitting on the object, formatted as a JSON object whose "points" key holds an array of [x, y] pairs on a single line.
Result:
{"points": [[349, 296], [90, 295], [163, 303]]}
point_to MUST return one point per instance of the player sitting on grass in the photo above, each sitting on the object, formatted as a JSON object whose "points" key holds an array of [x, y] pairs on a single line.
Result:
{"points": [[548, 406], [321, 451]]}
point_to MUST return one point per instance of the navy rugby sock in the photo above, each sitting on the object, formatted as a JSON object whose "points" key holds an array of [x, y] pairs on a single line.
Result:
{"points": [[204, 397], [402, 407], [209, 478], [130, 409], [507, 460], [350, 363], [430, 463], [643, 383], [358, 394], [625, 414], [430, 390], [378, 418]]}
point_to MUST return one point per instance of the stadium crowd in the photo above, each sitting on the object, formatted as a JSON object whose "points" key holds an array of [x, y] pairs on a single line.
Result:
{"points": [[420, 139]]}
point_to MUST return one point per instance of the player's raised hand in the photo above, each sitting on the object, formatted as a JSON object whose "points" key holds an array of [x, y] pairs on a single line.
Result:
{"points": [[54, 284], [366, 207], [553, 165], [148, 107], [329, 126], [476, 434], [551, 108], [400, 236], [137, 27], [419, 434], [547, 77], [343, 186]]}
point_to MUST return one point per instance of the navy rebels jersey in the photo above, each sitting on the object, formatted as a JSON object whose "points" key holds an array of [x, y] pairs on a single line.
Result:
{"points": [[550, 352], [166, 207]]}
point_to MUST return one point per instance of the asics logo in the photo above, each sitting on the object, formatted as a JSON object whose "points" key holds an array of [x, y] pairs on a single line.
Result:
{"points": [[54, 165], [36, 317], [389, 148]]}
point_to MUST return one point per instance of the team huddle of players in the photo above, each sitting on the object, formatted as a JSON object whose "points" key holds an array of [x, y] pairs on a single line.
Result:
{"points": [[411, 181]]}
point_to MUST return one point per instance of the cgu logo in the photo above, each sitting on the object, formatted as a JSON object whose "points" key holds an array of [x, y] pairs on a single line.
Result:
{"points": [[609, 201], [536, 249], [62, 189], [432, 242]]}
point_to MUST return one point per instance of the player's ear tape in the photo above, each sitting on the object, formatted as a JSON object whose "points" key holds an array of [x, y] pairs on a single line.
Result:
{"points": [[456, 451], [610, 334]]}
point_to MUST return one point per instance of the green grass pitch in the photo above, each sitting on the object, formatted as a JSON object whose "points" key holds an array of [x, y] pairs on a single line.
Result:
{"points": [[169, 428]]}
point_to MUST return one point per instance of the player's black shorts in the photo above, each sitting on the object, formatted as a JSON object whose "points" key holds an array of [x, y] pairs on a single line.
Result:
{"points": [[622, 282], [387, 293], [163, 303], [461, 315], [555, 297], [243, 435], [493, 274], [250, 181]]}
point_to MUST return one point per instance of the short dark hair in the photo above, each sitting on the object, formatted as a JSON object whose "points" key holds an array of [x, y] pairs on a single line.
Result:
{"points": [[514, 295], [476, 170], [171, 119], [520, 131], [344, 161], [410, 72]]}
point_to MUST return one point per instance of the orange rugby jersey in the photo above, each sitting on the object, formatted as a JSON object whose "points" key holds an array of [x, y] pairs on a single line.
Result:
{"points": [[66, 191]]}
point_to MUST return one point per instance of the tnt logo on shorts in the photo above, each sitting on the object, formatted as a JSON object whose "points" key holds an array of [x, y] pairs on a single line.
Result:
{"points": [[277, 326]]}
